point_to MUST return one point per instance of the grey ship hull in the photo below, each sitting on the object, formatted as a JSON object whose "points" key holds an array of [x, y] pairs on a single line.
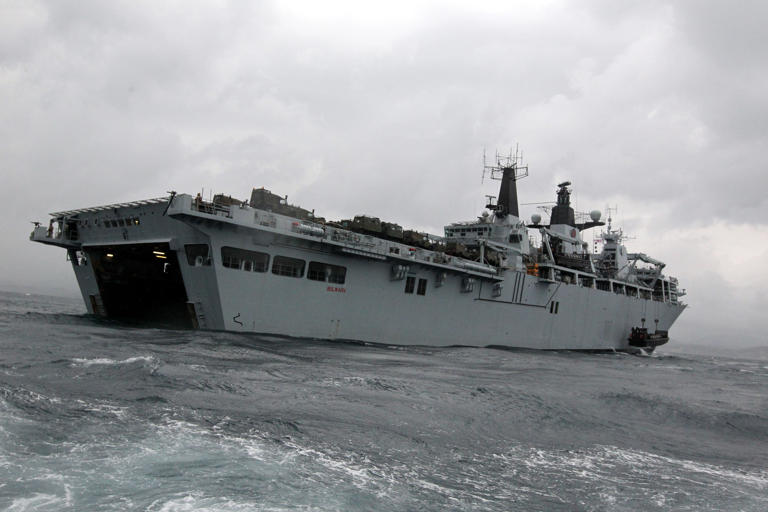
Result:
{"points": [[144, 268]]}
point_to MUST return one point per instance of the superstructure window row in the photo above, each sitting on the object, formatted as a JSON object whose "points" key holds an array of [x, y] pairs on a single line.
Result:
{"points": [[465, 231], [120, 223], [254, 261], [109, 223]]}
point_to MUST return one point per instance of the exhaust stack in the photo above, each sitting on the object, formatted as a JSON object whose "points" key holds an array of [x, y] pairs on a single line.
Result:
{"points": [[507, 204]]}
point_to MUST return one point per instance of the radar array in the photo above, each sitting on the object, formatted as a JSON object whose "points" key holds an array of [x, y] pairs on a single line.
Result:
{"points": [[510, 161]]}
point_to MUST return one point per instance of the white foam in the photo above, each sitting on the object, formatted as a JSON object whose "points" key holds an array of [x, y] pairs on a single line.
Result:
{"points": [[196, 501], [187, 502], [359, 475], [103, 408], [37, 501], [106, 361], [604, 463]]}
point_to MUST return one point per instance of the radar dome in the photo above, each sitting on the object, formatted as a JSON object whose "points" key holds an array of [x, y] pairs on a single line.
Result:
{"points": [[535, 218], [595, 215]]}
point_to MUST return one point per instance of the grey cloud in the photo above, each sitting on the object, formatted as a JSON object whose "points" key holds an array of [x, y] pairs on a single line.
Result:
{"points": [[726, 34]]}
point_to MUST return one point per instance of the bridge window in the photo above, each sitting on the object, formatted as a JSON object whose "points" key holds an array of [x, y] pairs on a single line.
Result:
{"points": [[410, 284], [240, 259], [198, 255], [285, 266], [422, 289], [325, 272]]}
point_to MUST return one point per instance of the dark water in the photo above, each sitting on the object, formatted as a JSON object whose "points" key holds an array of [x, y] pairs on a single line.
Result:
{"points": [[99, 416]]}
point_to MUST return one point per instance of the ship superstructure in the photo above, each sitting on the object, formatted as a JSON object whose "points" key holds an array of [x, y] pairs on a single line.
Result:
{"points": [[266, 266]]}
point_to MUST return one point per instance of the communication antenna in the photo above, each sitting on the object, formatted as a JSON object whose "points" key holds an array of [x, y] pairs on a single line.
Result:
{"points": [[513, 161], [482, 177], [611, 211]]}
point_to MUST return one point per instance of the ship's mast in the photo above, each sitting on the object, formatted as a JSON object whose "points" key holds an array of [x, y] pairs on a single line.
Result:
{"points": [[611, 234], [562, 213], [508, 169]]}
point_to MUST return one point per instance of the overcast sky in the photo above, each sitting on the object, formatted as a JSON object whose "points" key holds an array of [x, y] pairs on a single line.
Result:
{"points": [[659, 108]]}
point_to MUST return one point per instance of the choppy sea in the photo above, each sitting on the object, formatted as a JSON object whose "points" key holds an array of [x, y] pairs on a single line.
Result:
{"points": [[102, 416]]}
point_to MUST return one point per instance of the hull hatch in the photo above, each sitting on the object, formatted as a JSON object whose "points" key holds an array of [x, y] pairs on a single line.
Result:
{"points": [[141, 282]]}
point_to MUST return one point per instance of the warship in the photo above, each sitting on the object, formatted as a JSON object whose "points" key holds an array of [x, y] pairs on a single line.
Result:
{"points": [[266, 266]]}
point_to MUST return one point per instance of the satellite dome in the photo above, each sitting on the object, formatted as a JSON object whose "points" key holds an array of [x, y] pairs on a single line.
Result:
{"points": [[535, 218], [595, 215]]}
